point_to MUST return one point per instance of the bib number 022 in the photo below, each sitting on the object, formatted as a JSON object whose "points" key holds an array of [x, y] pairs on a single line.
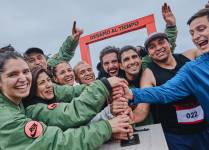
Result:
{"points": [[192, 115]]}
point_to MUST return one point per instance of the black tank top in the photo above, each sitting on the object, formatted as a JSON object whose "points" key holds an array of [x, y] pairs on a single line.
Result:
{"points": [[177, 117]]}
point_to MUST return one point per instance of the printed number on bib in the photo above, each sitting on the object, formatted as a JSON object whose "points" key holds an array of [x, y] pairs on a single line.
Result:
{"points": [[190, 116]]}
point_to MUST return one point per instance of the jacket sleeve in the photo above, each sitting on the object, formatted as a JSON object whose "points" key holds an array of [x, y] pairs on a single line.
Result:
{"points": [[94, 90], [66, 51], [173, 90], [172, 35], [172, 32], [66, 93], [19, 132], [76, 113], [105, 114]]}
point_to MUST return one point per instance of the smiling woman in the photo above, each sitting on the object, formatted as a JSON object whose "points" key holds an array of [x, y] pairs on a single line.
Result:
{"points": [[63, 74], [42, 85], [15, 79]]}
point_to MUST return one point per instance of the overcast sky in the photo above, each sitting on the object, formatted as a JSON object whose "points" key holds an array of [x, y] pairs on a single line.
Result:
{"points": [[46, 23]]}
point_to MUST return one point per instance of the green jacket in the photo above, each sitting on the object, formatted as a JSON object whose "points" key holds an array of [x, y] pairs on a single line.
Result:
{"points": [[18, 132], [70, 92], [66, 52], [76, 112], [172, 35]]}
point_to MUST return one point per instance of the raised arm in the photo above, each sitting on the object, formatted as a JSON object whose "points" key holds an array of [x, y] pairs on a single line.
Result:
{"points": [[67, 50], [171, 31]]}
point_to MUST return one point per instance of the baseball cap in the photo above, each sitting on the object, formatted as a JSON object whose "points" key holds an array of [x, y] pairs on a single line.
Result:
{"points": [[154, 36], [33, 50]]}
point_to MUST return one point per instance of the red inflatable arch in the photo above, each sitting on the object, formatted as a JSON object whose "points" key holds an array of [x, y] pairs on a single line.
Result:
{"points": [[147, 22]]}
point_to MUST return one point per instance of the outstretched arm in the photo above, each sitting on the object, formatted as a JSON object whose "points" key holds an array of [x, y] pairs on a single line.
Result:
{"points": [[173, 90]]}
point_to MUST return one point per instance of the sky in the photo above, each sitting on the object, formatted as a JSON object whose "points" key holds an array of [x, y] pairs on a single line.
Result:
{"points": [[46, 23]]}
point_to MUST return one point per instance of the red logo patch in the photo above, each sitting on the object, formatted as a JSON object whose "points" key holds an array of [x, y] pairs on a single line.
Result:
{"points": [[33, 129], [52, 106]]}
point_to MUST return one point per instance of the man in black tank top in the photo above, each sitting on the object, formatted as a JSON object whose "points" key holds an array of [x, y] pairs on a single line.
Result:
{"points": [[183, 122]]}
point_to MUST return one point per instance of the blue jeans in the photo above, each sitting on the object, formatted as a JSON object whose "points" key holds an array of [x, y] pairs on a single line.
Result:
{"points": [[197, 141]]}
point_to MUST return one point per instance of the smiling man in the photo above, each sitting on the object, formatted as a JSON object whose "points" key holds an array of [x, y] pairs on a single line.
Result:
{"points": [[130, 63], [108, 65], [84, 73]]}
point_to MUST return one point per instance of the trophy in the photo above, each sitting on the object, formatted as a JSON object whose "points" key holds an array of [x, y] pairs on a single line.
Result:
{"points": [[118, 96], [132, 140]]}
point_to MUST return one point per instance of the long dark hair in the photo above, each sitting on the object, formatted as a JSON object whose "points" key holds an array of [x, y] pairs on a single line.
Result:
{"points": [[35, 73]]}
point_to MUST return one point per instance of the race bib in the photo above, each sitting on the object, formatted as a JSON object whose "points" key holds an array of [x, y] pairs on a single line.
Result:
{"points": [[190, 115]]}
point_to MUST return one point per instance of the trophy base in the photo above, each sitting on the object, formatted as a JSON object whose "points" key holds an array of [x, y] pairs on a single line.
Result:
{"points": [[133, 141]]}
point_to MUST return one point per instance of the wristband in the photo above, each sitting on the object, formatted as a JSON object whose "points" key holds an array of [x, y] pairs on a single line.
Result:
{"points": [[170, 26], [107, 84]]}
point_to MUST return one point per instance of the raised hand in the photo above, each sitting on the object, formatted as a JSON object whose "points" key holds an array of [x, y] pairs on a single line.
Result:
{"points": [[76, 32], [168, 15]]}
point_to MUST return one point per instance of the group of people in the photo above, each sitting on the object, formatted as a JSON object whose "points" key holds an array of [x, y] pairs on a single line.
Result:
{"points": [[47, 104]]}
